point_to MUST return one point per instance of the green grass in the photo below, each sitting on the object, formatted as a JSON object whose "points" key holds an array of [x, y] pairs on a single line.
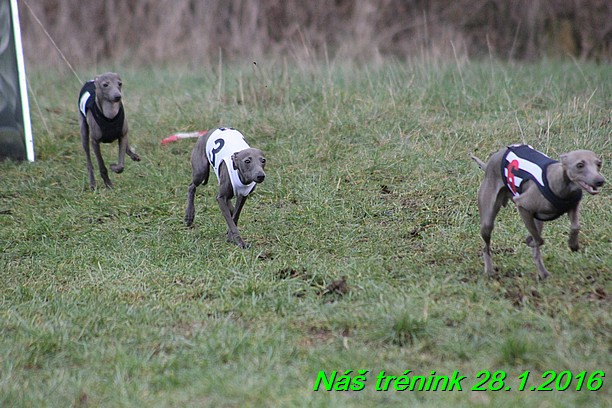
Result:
{"points": [[108, 300]]}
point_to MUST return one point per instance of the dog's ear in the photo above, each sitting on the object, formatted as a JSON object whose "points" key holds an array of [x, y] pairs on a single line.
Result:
{"points": [[234, 161], [96, 82], [563, 158]]}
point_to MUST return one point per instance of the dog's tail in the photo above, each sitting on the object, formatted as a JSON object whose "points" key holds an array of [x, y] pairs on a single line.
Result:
{"points": [[479, 162], [179, 136]]}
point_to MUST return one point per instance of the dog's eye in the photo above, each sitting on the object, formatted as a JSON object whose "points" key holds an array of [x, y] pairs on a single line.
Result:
{"points": [[599, 165], [120, 84], [263, 160], [580, 165], [105, 85], [247, 161]]}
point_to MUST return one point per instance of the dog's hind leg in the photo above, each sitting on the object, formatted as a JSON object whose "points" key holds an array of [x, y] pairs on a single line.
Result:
{"points": [[85, 143], [190, 209], [488, 209], [200, 171]]}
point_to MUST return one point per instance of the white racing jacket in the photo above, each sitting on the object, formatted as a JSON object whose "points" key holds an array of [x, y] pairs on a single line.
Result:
{"points": [[220, 146]]}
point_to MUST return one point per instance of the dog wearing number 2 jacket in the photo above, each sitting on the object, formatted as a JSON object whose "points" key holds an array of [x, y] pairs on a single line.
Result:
{"points": [[239, 168]]}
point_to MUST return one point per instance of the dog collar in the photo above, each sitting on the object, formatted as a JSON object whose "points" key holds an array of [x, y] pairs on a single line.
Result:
{"points": [[238, 186]]}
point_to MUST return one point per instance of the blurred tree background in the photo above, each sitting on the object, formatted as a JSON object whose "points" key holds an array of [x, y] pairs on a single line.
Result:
{"points": [[198, 31]]}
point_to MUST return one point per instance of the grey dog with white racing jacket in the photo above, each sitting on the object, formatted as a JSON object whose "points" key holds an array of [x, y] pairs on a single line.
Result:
{"points": [[238, 167]]}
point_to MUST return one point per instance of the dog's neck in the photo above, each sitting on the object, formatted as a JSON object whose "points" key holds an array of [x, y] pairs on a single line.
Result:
{"points": [[559, 182], [240, 176], [109, 109], [242, 180]]}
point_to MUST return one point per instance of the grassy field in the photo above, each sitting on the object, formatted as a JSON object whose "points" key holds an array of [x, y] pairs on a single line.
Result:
{"points": [[108, 300]]}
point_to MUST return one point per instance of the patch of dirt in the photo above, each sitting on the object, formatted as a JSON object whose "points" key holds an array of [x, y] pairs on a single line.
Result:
{"points": [[282, 203], [338, 287], [298, 274], [82, 401], [265, 256], [317, 335], [334, 290], [101, 219], [384, 189], [293, 273], [416, 231], [521, 297], [597, 294]]}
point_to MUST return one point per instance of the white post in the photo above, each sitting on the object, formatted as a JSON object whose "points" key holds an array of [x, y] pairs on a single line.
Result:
{"points": [[25, 104]]}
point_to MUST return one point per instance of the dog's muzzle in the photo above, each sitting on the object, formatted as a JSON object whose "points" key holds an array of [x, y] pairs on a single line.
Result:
{"points": [[260, 177], [594, 188]]}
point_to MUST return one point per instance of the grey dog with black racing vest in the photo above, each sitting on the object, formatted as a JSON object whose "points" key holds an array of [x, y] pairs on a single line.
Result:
{"points": [[102, 120], [541, 188]]}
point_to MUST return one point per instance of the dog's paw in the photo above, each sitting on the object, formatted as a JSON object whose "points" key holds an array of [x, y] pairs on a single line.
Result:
{"points": [[236, 239], [189, 216], [107, 182], [543, 274], [116, 168], [490, 273], [243, 245], [572, 242], [135, 157]]}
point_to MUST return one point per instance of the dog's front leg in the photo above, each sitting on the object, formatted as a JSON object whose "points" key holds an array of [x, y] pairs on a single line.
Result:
{"points": [[240, 200], [101, 166], [235, 211], [130, 153], [233, 234], [535, 242], [123, 145], [540, 226], [574, 217], [537, 258]]}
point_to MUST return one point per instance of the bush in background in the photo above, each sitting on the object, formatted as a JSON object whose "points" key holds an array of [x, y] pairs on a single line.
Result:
{"points": [[146, 31]]}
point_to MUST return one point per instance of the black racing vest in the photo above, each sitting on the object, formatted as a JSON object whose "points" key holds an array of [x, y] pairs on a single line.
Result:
{"points": [[521, 163], [112, 129]]}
